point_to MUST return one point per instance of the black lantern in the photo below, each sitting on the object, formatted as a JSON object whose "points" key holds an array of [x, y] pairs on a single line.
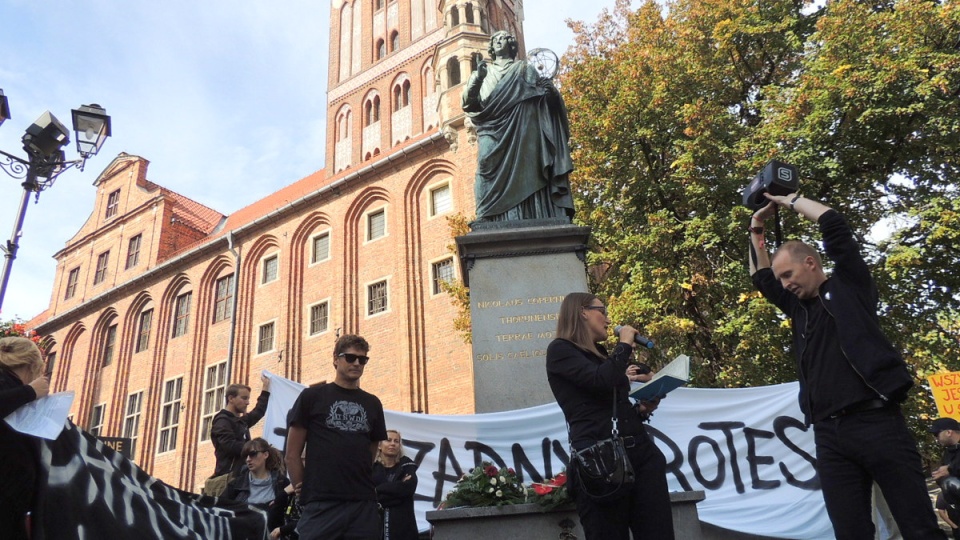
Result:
{"points": [[92, 126]]}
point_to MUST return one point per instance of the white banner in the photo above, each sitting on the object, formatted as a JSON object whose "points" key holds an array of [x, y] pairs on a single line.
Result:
{"points": [[747, 449]]}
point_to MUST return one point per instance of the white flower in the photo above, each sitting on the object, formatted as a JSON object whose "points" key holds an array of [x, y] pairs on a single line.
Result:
{"points": [[502, 479], [499, 493], [493, 480], [489, 490]]}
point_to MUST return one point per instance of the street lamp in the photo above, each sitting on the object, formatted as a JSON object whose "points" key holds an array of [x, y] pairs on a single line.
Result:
{"points": [[43, 142]]}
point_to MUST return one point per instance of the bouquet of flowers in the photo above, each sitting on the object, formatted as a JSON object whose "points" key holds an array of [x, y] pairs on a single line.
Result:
{"points": [[551, 493], [486, 485]]}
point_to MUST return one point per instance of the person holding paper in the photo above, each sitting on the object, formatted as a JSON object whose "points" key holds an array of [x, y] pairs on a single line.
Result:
{"points": [[588, 383], [21, 381], [852, 379]]}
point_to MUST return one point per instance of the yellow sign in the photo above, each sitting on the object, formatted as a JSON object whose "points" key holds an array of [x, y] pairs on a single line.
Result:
{"points": [[946, 392]]}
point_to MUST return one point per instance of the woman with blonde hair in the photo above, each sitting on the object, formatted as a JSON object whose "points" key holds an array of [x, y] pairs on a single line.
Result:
{"points": [[395, 476], [21, 381], [592, 387]]}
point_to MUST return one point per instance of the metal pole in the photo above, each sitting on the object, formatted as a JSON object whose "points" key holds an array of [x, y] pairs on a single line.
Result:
{"points": [[10, 251]]}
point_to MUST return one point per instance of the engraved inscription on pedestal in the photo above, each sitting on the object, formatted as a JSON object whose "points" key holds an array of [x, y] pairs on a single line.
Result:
{"points": [[517, 279]]}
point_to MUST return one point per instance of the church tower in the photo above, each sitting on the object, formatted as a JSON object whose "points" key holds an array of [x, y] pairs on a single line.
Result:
{"points": [[397, 69]]}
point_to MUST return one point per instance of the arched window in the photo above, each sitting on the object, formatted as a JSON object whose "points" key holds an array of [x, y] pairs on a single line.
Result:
{"points": [[454, 16], [394, 41], [381, 49], [343, 125], [406, 93], [453, 72], [397, 91], [371, 111], [469, 11], [429, 84], [377, 5]]}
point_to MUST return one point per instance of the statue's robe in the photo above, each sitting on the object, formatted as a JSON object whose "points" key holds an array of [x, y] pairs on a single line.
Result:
{"points": [[522, 135]]}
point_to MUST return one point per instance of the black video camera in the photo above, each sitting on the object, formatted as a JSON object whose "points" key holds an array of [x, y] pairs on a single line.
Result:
{"points": [[777, 178]]}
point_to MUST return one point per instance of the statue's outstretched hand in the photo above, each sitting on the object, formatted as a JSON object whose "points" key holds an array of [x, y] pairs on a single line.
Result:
{"points": [[481, 70]]}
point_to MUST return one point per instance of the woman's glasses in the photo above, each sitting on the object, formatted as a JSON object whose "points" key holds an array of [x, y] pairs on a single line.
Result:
{"points": [[601, 309], [351, 358], [253, 453]]}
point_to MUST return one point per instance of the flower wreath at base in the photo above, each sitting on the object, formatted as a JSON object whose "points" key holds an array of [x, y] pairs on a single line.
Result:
{"points": [[486, 485]]}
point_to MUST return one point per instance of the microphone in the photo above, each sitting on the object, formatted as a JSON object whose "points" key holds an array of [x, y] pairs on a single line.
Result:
{"points": [[640, 340]]}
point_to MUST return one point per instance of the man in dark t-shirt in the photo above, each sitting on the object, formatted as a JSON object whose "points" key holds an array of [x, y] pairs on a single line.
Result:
{"points": [[341, 427]]}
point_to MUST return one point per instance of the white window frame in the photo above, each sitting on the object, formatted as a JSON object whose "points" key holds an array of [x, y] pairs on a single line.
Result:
{"points": [[431, 199], [366, 221], [435, 289], [273, 344], [168, 432], [213, 396], [313, 239], [181, 323], [97, 416], [263, 268], [309, 324], [131, 420], [227, 300], [366, 296]]}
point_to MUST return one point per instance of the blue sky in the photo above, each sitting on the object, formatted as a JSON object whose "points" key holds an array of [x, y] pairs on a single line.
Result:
{"points": [[226, 99]]}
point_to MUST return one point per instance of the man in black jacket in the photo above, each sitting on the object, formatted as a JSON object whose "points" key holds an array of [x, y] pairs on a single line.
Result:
{"points": [[947, 432], [852, 378], [230, 428]]}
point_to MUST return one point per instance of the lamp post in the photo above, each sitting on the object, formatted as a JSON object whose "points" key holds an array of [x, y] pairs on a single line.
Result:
{"points": [[43, 142]]}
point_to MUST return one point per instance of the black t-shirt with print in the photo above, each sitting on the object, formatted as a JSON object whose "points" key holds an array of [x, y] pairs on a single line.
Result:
{"points": [[341, 423]]}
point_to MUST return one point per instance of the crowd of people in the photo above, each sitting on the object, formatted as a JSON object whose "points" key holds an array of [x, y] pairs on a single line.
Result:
{"points": [[344, 475]]}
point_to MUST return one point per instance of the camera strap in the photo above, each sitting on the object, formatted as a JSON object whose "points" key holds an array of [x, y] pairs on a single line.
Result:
{"points": [[777, 231]]}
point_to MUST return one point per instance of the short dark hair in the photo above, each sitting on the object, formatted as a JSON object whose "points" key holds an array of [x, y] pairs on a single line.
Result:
{"points": [[350, 341], [234, 390]]}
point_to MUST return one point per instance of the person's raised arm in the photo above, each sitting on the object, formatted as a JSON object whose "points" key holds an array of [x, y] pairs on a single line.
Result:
{"points": [[759, 258], [808, 208]]}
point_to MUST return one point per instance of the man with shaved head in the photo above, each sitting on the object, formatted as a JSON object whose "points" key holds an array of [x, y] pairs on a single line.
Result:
{"points": [[852, 379]]}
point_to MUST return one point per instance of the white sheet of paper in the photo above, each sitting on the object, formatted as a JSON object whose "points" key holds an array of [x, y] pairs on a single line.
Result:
{"points": [[44, 417]]}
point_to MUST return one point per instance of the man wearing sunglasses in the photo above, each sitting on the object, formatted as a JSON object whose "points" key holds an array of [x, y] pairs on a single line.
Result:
{"points": [[341, 427]]}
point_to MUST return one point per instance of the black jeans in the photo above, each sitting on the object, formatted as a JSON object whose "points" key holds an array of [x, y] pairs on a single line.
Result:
{"points": [[858, 449], [645, 511]]}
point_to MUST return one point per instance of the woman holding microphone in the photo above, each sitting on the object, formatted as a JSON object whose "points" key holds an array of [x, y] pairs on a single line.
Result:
{"points": [[592, 388]]}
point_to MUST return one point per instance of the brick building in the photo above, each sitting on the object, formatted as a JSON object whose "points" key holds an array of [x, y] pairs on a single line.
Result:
{"points": [[156, 292]]}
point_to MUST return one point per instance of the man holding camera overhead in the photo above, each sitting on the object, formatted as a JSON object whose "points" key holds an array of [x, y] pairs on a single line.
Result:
{"points": [[852, 379]]}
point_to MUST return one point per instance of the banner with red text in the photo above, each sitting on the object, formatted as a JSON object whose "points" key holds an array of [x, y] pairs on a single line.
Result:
{"points": [[946, 393]]}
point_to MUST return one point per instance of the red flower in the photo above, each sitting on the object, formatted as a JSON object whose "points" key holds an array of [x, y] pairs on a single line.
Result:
{"points": [[490, 471], [542, 489], [560, 479], [511, 471]]}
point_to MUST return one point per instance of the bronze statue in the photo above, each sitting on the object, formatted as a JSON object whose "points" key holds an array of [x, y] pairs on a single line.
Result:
{"points": [[522, 135]]}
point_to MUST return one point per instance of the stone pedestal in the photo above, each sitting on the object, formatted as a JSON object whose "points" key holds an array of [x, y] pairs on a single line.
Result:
{"points": [[518, 273], [532, 522]]}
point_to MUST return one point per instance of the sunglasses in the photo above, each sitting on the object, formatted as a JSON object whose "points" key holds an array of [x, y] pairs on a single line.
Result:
{"points": [[601, 309], [351, 358], [253, 453]]}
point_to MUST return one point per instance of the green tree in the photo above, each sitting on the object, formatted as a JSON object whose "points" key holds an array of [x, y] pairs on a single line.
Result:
{"points": [[674, 107]]}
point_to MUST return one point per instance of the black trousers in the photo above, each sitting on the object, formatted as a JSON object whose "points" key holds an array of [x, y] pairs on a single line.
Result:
{"points": [[858, 449], [645, 511]]}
